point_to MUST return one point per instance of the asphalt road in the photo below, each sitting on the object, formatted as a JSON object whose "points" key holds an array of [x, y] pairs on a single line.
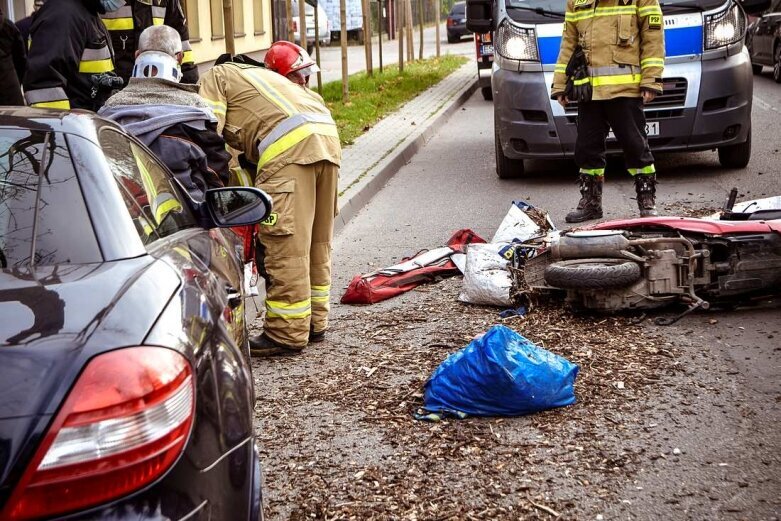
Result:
{"points": [[720, 410]]}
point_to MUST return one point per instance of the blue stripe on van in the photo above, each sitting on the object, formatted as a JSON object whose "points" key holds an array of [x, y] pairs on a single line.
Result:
{"points": [[677, 42]]}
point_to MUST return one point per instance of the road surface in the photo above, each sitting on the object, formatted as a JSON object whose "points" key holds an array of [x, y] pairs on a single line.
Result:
{"points": [[671, 423]]}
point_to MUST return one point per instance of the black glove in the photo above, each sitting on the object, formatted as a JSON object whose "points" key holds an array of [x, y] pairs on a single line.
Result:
{"points": [[578, 81], [105, 82]]}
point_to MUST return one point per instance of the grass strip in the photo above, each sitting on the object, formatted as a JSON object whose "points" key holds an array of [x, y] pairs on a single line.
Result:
{"points": [[373, 98]]}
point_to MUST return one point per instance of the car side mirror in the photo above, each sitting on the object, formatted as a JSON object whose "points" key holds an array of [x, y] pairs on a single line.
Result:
{"points": [[479, 16], [237, 206], [755, 6]]}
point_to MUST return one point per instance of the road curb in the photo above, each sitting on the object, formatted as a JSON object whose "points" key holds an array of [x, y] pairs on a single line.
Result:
{"points": [[358, 195]]}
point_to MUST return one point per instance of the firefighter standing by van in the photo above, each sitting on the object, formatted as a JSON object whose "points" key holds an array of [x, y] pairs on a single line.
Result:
{"points": [[288, 133], [623, 45], [70, 61], [128, 22]]}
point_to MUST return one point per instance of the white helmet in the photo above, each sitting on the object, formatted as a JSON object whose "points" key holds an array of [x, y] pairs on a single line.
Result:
{"points": [[155, 64]]}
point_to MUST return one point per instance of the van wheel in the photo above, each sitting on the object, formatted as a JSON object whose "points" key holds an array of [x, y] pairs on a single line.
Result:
{"points": [[777, 65], [736, 156], [756, 69], [506, 168], [487, 93]]}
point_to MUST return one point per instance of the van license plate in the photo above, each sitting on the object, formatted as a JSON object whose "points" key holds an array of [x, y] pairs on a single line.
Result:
{"points": [[651, 130]]}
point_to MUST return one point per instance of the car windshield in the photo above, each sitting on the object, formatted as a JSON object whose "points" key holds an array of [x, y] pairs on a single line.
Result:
{"points": [[458, 9], [523, 10], [43, 218]]}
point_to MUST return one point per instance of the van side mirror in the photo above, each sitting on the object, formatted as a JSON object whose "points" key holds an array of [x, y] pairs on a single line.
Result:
{"points": [[237, 206], [479, 16], [755, 6]]}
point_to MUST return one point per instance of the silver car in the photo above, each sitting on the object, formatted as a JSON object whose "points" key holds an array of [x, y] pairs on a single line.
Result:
{"points": [[324, 26]]}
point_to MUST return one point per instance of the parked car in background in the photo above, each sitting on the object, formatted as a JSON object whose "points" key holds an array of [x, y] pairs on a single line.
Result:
{"points": [[124, 366], [456, 23], [324, 26], [353, 18], [764, 41]]}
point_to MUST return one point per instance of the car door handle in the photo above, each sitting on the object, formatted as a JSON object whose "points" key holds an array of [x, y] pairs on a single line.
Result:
{"points": [[234, 296]]}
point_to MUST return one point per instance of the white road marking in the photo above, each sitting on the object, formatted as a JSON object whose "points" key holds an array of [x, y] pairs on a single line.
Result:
{"points": [[764, 104]]}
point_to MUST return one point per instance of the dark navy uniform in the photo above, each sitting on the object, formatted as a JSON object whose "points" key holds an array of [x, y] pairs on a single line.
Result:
{"points": [[69, 45], [128, 22]]}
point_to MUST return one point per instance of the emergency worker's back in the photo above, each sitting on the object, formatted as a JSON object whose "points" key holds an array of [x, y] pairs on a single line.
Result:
{"points": [[274, 121]]}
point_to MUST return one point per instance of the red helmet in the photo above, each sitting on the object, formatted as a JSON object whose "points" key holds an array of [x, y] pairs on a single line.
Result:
{"points": [[285, 58]]}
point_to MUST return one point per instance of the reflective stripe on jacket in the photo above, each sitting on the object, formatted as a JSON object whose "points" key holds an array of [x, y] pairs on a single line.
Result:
{"points": [[274, 121], [128, 22], [624, 44], [68, 44]]}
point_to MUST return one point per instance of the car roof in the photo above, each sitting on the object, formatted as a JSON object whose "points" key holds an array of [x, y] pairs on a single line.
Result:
{"points": [[80, 122]]}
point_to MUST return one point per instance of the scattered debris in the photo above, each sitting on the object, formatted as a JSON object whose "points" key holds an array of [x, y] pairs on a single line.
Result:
{"points": [[324, 420]]}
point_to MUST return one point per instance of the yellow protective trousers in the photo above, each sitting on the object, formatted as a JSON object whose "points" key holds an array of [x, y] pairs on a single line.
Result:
{"points": [[296, 243]]}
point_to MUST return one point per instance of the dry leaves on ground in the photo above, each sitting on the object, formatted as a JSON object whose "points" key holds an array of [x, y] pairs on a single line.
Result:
{"points": [[338, 440]]}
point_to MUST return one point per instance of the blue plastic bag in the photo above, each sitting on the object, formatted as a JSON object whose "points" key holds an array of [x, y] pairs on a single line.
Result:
{"points": [[500, 374]]}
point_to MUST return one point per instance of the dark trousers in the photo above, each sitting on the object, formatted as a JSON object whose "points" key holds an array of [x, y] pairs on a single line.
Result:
{"points": [[625, 116]]}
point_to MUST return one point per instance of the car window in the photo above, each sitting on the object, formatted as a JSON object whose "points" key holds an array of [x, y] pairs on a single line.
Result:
{"points": [[43, 218], [458, 9], [157, 208]]}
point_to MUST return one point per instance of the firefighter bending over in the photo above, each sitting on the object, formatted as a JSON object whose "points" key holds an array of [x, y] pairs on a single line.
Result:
{"points": [[287, 132]]}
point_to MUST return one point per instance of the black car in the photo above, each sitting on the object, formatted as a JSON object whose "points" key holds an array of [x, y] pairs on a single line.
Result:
{"points": [[456, 22], [764, 41], [125, 387]]}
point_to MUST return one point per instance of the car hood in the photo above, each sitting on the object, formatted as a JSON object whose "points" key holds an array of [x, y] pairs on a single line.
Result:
{"points": [[54, 319]]}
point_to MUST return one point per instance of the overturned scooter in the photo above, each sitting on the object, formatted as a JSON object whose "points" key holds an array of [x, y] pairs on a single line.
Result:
{"points": [[652, 262]]}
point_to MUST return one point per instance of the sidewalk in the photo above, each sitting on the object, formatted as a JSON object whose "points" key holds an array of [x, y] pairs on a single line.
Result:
{"points": [[379, 153]]}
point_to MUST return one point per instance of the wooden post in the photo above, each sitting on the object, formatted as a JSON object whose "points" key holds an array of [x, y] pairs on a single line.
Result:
{"points": [[343, 42], [399, 15], [420, 24], [227, 20], [379, 35], [367, 35], [291, 34], [317, 47], [408, 21], [437, 20], [302, 23]]}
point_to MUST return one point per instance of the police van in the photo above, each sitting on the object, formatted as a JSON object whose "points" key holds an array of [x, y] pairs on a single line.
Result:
{"points": [[707, 81]]}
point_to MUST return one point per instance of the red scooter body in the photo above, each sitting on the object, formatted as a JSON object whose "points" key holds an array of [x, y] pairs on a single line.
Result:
{"points": [[690, 224]]}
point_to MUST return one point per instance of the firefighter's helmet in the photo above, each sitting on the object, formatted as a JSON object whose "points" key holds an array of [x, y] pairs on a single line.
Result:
{"points": [[290, 60]]}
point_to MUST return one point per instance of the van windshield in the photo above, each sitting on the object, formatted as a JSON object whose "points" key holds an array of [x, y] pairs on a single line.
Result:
{"points": [[524, 10]]}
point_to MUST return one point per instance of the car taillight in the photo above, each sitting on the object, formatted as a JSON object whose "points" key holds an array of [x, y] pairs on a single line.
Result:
{"points": [[450, 22], [124, 423]]}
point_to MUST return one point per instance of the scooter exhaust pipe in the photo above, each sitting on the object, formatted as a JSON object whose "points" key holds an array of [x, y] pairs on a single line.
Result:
{"points": [[596, 243]]}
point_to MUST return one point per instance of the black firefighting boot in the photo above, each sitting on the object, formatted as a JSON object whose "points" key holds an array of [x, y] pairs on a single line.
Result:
{"points": [[645, 186], [590, 205]]}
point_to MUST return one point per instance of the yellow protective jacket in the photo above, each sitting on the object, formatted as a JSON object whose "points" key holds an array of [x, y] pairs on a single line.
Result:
{"points": [[623, 41], [274, 121]]}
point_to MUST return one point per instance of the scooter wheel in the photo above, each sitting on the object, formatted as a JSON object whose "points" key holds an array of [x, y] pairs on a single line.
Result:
{"points": [[592, 273]]}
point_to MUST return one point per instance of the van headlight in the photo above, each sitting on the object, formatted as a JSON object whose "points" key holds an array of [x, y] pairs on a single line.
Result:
{"points": [[724, 28], [516, 43]]}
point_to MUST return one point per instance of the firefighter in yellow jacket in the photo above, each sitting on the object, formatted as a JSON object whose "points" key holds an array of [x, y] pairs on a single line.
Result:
{"points": [[623, 43], [287, 131]]}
